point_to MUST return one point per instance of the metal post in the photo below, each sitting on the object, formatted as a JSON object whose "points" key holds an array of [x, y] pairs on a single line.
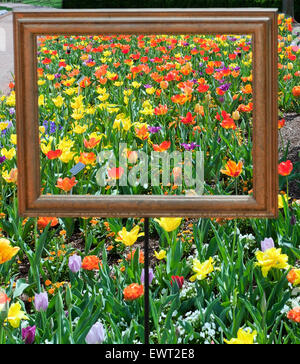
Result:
{"points": [[288, 7], [146, 279]]}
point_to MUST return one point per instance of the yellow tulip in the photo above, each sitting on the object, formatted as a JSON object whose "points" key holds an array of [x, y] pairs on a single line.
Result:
{"points": [[12, 176], [13, 139], [128, 238], [9, 154], [169, 223], [58, 101], [282, 199], [243, 337], [161, 255], [202, 270], [7, 252]]}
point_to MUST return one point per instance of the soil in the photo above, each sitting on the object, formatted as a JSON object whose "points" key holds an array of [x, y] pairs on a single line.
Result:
{"points": [[291, 133]]}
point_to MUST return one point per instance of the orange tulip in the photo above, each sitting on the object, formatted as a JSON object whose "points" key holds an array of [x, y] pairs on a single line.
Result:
{"points": [[161, 110], [232, 169], [66, 184], [44, 221], [228, 124], [296, 91], [91, 262], [133, 291], [91, 143], [162, 147], [294, 315]]}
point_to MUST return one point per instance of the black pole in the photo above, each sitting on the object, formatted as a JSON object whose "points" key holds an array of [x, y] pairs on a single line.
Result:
{"points": [[146, 280]]}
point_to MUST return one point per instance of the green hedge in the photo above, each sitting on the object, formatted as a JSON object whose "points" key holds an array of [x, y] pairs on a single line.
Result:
{"points": [[106, 4]]}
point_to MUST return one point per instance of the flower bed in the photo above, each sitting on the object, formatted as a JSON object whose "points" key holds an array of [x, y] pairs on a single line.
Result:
{"points": [[66, 280]]}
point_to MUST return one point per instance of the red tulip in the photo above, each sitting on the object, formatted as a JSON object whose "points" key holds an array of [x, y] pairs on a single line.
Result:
{"points": [[178, 280], [285, 168]]}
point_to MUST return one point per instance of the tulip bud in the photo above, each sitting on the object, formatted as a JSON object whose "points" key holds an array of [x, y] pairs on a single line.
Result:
{"points": [[235, 115], [59, 305], [69, 296], [74, 263], [293, 220], [266, 244], [41, 301], [96, 335], [290, 66]]}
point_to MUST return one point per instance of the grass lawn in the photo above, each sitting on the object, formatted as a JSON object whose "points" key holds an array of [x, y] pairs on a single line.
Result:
{"points": [[48, 3], [4, 8]]}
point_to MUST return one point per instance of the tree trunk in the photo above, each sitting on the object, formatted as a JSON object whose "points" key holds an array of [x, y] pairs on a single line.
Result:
{"points": [[288, 7]]}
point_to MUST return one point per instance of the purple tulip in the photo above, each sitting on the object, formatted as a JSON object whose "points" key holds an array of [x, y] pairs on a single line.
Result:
{"points": [[190, 146], [151, 276], [75, 263], [154, 129], [28, 334], [266, 244], [96, 334], [41, 301]]}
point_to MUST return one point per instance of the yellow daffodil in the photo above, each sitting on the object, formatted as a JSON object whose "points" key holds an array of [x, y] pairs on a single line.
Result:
{"points": [[243, 337], [129, 237], [161, 255], [7, 252], [15, 315], [202, 270], [9, 154], [169, 223], [271, 258]]}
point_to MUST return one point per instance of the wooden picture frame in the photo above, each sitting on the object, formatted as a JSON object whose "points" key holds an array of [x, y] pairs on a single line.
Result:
{"points": [[260, 23]]}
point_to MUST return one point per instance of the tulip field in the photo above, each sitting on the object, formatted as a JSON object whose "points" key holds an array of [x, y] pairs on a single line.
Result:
{"points": [[212, 281]]}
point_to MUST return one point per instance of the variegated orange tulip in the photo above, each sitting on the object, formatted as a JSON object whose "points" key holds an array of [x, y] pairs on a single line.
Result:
{"points": [[232, 169]]}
